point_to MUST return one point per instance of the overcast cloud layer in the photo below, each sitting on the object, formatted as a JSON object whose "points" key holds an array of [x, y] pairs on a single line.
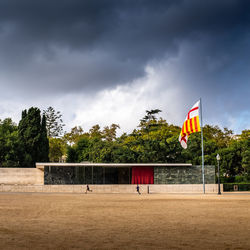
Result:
{"points": [[109, 61]]}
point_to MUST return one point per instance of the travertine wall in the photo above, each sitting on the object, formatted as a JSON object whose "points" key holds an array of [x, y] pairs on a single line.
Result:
{"points": [[185, 188], [97, 189], [21, 176]]}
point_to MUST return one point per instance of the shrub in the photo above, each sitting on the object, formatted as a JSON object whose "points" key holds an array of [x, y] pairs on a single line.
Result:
{"points": [[228, 187]]}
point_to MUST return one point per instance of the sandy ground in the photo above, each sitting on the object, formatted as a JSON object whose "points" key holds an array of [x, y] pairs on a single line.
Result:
{"points": [[124, 221]]}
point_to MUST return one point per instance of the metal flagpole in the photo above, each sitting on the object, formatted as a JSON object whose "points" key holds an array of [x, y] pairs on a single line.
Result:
{"points": [[202, 150]]}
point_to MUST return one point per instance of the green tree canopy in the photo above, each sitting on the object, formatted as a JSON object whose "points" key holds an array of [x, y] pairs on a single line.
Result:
{"points": [[57, 148], [9, 144], [74, 135]]}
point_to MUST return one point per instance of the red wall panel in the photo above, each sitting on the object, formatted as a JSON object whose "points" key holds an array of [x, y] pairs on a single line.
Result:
{"points": [[142, 175]]}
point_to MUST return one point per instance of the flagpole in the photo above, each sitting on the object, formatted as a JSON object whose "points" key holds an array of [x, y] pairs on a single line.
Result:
{"points": [[202, 150]]}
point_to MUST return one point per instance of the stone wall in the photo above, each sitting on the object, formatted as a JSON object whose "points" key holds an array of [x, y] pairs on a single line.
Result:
{"points": [[112, 189], [21, 176], [183, 175]]}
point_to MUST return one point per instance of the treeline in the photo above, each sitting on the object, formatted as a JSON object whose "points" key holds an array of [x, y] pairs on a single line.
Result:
{"points": [[154, 140], [25, 144]]}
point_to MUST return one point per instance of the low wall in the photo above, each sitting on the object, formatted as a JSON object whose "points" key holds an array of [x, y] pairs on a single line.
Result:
{"points": [[183, 188], [21, 176]]}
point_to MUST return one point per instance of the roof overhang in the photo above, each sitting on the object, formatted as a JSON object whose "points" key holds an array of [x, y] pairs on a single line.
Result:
{"points": [[41, 165]]}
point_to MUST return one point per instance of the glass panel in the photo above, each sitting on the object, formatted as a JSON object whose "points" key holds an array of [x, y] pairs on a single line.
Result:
{"points": [[111, 176], [82, 175], [123, 175], [97, 175], [88, 175]]}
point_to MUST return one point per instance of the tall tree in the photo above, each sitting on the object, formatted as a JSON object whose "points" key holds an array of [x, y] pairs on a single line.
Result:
{"points": [[44, 148], [149, 121], [54, 122], [33, 138]]}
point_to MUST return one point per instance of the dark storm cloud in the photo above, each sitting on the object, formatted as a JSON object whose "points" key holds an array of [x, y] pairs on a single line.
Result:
{"points": [[75, 45]]}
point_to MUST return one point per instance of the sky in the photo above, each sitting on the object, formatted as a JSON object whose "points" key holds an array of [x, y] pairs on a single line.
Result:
{"points": [[104, 62]]}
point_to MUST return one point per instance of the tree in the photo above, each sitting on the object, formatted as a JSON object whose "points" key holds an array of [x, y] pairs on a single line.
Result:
{"points": [[231, 158], [44, 148], [57, 148], [246, 159], [71, 154], [221, 138], [32, 138], [109, 133], [9, 144], [74, 135], [150, 115], [54, 122], [245, 142], [149, 121], [83, 149], [95, 132]]}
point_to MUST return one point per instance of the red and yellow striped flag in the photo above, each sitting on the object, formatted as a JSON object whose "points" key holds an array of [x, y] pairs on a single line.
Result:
{"points": [[190, 125]]}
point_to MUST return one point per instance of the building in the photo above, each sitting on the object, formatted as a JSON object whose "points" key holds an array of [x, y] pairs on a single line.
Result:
{"points": [[124, 173], [108, 177]]}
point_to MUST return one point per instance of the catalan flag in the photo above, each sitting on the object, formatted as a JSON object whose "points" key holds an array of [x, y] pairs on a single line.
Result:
{"points": [[190, 125]]}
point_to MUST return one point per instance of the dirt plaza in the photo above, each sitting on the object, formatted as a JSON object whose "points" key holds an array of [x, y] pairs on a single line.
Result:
{"points": [[124, 221]]}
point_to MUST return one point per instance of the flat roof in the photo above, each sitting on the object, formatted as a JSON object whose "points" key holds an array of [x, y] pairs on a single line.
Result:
{"points": [[41, 165]]}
